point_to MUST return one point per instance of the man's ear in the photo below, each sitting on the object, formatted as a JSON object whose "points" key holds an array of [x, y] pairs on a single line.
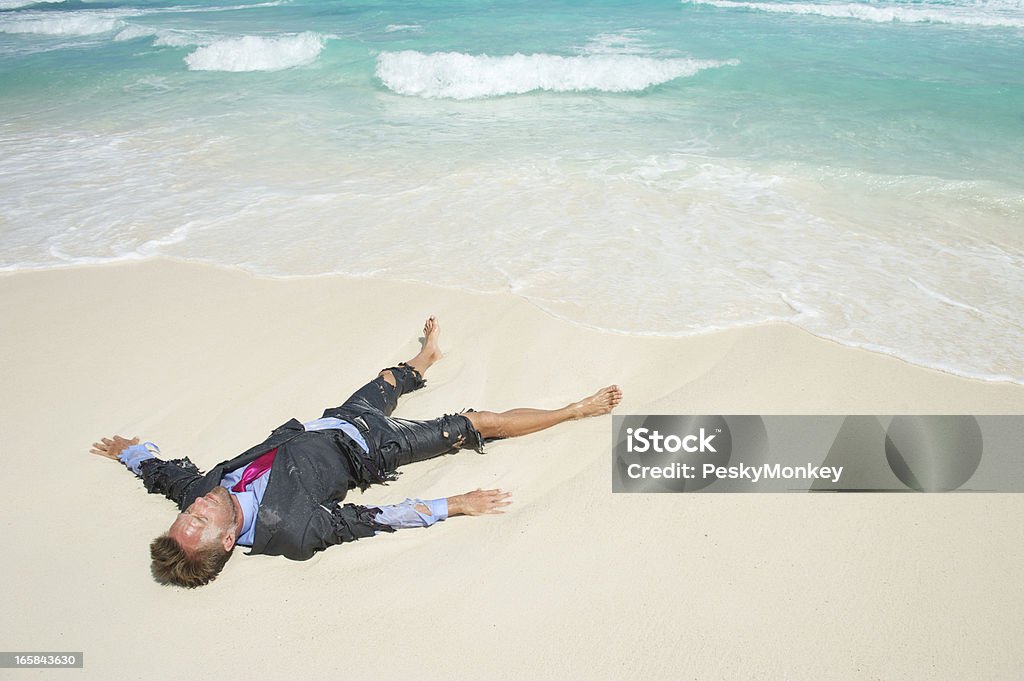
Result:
{"points": [[229, 541]]}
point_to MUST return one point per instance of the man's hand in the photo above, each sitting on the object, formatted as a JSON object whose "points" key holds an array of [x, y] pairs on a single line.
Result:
{"points": [[478, 502], [112, 448]]}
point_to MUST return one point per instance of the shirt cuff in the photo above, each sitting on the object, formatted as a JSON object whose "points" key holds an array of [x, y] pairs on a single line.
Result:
{"points": [[133, 456], [439, 507]]}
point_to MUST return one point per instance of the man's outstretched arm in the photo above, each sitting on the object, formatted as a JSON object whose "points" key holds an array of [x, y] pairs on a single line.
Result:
{"points": [[421, 513], [170, 478], [350, 522]]}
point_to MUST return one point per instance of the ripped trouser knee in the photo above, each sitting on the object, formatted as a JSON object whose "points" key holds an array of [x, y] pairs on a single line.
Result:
{"points": [[460, 432], [406, 378], [422, 440], [379, 395]]}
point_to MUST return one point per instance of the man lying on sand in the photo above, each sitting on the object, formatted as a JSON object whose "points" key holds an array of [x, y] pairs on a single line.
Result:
{"points": [[283, 496]]}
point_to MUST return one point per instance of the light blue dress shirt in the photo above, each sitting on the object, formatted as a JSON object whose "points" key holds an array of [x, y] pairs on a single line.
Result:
{"points": [[398, 516]]}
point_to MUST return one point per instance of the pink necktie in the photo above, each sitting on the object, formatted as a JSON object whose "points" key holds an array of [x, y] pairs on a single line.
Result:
{"points": [[255, 470]]}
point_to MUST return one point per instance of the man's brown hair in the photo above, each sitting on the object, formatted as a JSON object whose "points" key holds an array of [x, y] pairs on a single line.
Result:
{"points": [[172, 565]]}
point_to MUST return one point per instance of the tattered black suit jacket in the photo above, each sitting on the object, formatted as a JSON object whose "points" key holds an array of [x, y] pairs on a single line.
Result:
{"points": [[300, 513]]}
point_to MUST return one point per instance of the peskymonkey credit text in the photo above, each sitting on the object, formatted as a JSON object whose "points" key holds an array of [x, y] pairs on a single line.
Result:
{"points": [[742, 471]]}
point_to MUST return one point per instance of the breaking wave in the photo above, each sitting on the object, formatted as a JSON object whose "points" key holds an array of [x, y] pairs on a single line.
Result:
{"points": [[92, 22], [454, 75], [256, 53], [62, 23], [976, 14], [15, 4]]}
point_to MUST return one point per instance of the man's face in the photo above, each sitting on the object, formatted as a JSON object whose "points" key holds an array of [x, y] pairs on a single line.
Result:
{"points": [[210, 520]]}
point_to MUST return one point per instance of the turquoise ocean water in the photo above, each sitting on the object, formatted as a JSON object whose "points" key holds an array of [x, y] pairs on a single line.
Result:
{"points": [[653, 167]]}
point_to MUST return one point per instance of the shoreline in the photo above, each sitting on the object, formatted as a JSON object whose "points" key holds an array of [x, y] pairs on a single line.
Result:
{"points": [[341, 279]]}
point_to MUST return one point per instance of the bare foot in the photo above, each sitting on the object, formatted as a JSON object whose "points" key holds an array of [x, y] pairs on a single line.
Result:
{"points": [[431, 351], [431, 336], [601, 402]]}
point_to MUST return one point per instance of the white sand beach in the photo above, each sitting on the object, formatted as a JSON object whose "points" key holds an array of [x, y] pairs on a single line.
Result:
{"points": [[572, 582]]}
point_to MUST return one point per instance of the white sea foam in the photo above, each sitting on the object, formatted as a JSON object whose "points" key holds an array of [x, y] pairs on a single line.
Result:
{"points": [[625, 42], [175, 38], [943, 298], [755, 244], [150, 84], [455, 75], [164, 37], [96, 22], [395, 28], [134, 32], [194, 9], [1006, 14], [15, 4], [257, 53], [62, 23]]}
